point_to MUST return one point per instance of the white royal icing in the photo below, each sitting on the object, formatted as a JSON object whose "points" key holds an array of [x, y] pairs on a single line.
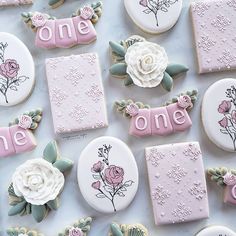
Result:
{"points": [[216, 231]]}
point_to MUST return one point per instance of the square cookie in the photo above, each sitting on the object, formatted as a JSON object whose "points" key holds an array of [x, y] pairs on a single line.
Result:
{"points": [[214, 24], [76, 93], [177, 183]]}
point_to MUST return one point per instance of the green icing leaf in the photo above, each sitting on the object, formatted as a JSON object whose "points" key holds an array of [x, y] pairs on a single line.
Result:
{"points": [[117, 48], [175, 69], [50, 153], [54, 204], [118, 69], [63, 164], [17, 209], [167, 82], [39, 212], [115, 230], [128, 81]]}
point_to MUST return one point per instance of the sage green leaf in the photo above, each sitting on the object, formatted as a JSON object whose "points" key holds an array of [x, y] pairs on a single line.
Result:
{"points": [[54, 204], [175, 69], [50, 153], [63, 164], [118, 69], [17, 209], [117, 48], [167, 82], [128, 81], [115, 230], [39, 212]]}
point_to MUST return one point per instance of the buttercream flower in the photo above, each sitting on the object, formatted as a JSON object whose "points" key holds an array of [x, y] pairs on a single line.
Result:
{"points": [[114, 175], [39, 19], [230, 179], [224, 122], [132, 109], [233, 115], [224, 107], [185, 102], [96, 185], [9, 68], [75, 231], [98, 167], [25, 122], [143, 3], [146, 63], [37, 181], [87, 12]]}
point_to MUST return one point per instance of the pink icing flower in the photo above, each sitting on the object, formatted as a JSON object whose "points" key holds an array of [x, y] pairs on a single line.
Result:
{"points": [[233, 115], [75, 231], [9, 68], [114, 175], [230, 179], [224, 122], [96, 185], [39, 19], [185, 102], [98, 167], [132, 109], [25, 122], [224, 107], [143, 3], [87, 12]]}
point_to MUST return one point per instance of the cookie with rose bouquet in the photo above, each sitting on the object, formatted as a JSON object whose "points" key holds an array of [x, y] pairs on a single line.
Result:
{"points": [[37, 184], [144, 64]]}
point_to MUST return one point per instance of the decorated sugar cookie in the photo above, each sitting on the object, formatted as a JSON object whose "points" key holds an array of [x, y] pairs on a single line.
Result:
{"points": [[226, 178], [165, 120], [18, 137], [64, 33], [219, 114], [37, 184], [17, 73], [14, 2], [215, 231], [21, 231], [154, 16], [124, 229], [107, 175], [143, 63]]}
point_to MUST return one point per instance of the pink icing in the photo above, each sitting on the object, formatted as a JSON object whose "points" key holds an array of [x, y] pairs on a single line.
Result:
{"points": [[6, 145], [87, 12], [25, 122], [230, 179], [230, 194]]}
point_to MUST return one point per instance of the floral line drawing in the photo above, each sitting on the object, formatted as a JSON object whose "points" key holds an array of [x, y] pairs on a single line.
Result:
{"points": [[154, 6], [109, 178], [9, 69]]}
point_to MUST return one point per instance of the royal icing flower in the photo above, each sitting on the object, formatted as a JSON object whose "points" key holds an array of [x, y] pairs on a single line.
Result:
{"points": [[224, 122], [96, 185], [114, 175], [146, 63], [25, 122], [87, 12], [230, 179], [9, 68], [37, 181], [98, 167], [39, 19], [132, 109], [224, 107], [185, 102], [75, 231]]}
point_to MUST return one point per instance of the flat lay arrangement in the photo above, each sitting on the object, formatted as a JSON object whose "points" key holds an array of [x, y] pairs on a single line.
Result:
{"points": [[118, 118]]}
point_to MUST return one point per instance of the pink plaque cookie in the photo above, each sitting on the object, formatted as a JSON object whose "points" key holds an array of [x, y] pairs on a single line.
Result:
{"points": [[76, 93], [214, 23], [177, 183]]}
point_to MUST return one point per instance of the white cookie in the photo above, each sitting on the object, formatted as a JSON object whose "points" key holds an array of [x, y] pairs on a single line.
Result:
{"points": [[216, 231], [154, 16], [17, 72], [107, 175]]}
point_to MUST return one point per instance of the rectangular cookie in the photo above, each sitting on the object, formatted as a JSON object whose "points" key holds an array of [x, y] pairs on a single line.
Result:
{"points": [[76, 93], [15, 2], [177, 183]]}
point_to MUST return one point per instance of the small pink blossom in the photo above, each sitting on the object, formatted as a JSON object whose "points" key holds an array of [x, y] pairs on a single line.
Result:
{"points": [[143, 3], [185, 102], [224, 107], [87, 12], [114, 175], [230, 179], [132, 109], [96, 185], [98, 167], [9, 68], [25, 122], [39, 19], [75, 231], [224, 122]]}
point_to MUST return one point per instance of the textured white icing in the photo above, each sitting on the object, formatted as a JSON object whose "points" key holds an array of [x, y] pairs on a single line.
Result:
{"points": [[215, 231]]}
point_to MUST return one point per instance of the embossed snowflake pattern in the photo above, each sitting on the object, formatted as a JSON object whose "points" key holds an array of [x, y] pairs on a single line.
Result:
{"points": [[74, 76], [78, 113], [232, 3], [200, 8], [160, 195], [193, 152], [197, 191], [154, 157], [182, 212], [221, 22], [95, 93], [58, 96], [227, 59], [91, 58], [206, 43], [177, 173]]}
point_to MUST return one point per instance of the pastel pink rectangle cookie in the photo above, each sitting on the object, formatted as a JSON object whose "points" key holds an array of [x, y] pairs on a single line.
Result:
{"points": [[76, 93], [15, 2], [6, 145], [214, 23], [177, 183]]}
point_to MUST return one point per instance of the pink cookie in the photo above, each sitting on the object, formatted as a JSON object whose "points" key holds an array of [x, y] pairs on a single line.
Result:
{"points": [[76, 93], [214, 22], [177, 183], [15, 2]]}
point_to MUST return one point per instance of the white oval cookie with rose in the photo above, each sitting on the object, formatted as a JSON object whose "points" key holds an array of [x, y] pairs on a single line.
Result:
{"points": [[215, 231], [154, 16]]}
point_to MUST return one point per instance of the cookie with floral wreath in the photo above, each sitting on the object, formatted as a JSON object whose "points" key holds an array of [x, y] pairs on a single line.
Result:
{"points": [[128, 230], [143, 63], [37, 184], [21, 231]]}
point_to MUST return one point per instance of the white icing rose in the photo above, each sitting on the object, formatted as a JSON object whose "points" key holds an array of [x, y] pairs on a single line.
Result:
{"points": [[25, 122], [146, 63], [38, 181]]}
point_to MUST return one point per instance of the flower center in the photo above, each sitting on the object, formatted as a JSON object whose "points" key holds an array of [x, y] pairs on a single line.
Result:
{"points": [[147, 64], [35, 181]]}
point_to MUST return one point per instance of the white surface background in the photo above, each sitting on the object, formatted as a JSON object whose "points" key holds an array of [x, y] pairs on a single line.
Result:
{"points": [[114, 25]]}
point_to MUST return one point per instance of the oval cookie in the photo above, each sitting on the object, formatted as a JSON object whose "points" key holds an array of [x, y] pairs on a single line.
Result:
{"points": [[219, 114], [216, 230], [154, 16], [17, 73], [107, 175]]}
